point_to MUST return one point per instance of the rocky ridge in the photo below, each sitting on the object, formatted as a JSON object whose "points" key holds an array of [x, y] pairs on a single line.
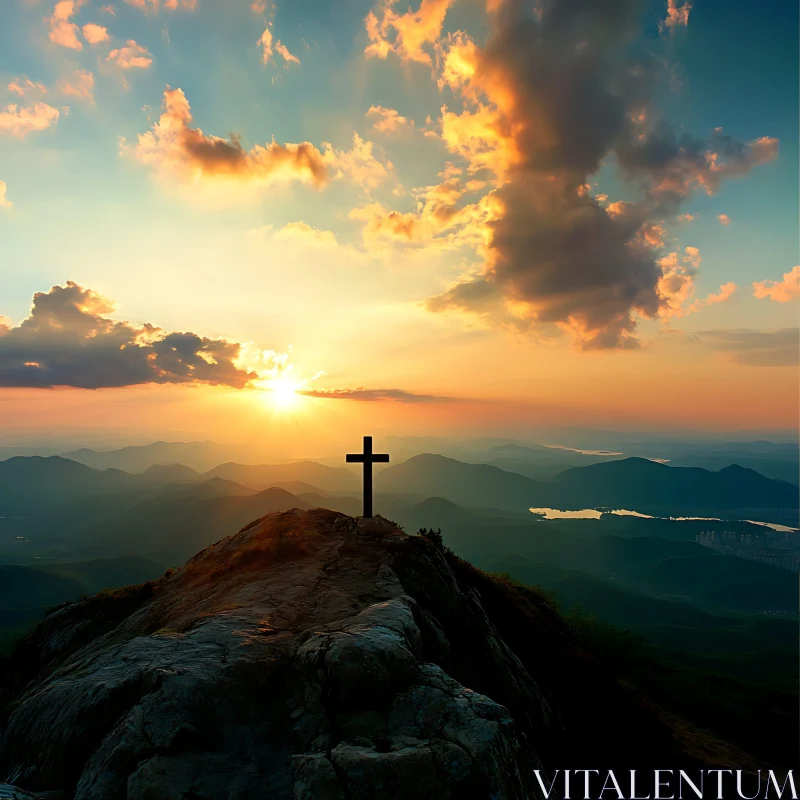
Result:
{"points": [[314, 655]]}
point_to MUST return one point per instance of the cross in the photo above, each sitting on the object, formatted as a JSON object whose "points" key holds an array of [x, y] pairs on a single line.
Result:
{"points": [[368, 458]]}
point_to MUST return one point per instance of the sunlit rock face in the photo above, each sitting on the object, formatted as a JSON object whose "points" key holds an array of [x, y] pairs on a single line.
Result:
{"points": [[310, 655]]}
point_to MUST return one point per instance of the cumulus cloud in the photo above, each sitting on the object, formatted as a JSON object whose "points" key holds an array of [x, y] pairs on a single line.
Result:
{"points": [[4, 201], [754, 348], [95, 34], [80, 85], [70, 340], [373, 395], [388, 121], [724, 219], [782, 291], [131, 56], [21, 121], [62, 31], [358, 164], [307, 234], [559, 89], [175, 148], [409, 35]]}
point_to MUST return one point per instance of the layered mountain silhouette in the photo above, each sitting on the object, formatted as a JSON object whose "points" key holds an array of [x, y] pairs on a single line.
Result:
{"points": [[315, 655], [634, 483]]}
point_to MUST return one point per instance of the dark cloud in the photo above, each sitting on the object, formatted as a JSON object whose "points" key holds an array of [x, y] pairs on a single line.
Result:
{"points": [[69, 341], [574, 84], [371, 395], [779, 348]]}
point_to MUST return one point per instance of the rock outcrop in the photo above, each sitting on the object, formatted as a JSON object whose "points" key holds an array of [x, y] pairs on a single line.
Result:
{"points": [[313, 655]]}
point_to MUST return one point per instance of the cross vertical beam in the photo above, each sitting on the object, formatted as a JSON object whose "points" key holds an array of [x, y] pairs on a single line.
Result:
{"points": [[367, 458]]}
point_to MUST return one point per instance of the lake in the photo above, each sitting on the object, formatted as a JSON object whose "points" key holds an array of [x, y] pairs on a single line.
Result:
{"points": [[593, 513]]}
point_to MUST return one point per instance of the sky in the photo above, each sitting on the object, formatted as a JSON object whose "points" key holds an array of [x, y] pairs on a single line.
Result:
{"points": [[293, 222]]}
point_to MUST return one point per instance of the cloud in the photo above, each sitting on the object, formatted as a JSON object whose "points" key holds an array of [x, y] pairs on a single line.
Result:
{"points": [[131, 56], [676, 285], [4, 201], [557, 90], [170, 5], [19, 122], [407, 34], [269, 46], [62, 31], [724, 219], [754, 348], [95, 34], [23, 86], [265, 43], [80, 85], [780, 291], [283, 51], [388, 121], [358, 164], [258, 6], [677, 15], [69, 340], [375, 395], [174, 147], [303, 232]]}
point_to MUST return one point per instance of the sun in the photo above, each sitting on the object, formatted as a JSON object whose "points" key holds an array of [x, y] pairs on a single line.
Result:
{"points": [[283, 392]]}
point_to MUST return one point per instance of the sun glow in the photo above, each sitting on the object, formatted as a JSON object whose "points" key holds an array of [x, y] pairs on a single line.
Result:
{"points": [[283, 392]]}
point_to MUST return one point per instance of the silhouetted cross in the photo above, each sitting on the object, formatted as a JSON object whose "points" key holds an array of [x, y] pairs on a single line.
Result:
{"points": [[368, 458]]}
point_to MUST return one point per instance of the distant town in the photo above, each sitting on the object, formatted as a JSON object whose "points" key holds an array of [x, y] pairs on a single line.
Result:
{"points": [[778, 548]]}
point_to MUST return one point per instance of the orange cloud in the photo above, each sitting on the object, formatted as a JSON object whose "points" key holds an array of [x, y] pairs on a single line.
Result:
{"points": [[95, 34], [265, 42], [174, 147], [62, 31], [677, 16], [283, 51], [81, 85], [23, 86], [676, 285], [170, 5], [358, 164], [269, 46], [407, 35], [4, 201], [131, 56], [724, 219], [537, 109], [780, 291], [388, 121], [20, 122]]}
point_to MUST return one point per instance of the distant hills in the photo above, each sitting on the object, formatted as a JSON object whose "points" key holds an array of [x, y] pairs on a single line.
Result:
{"points": [[197, 455], [633, 483]]}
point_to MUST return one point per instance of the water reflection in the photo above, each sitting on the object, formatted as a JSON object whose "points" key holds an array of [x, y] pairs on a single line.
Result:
{"points": [[593, 513]]}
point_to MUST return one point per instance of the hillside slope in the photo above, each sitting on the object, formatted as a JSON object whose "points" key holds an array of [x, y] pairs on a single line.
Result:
{"points": [[314, 655]]}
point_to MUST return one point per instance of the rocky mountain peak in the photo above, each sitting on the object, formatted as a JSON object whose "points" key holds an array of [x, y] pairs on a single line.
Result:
{"points": [[311, 655]]}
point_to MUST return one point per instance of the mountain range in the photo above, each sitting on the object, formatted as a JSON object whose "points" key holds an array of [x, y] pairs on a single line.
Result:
{"points": [[633, 483]]}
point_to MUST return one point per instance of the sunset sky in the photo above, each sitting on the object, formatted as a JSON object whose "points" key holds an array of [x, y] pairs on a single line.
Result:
{"points": [[309, 220]]}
